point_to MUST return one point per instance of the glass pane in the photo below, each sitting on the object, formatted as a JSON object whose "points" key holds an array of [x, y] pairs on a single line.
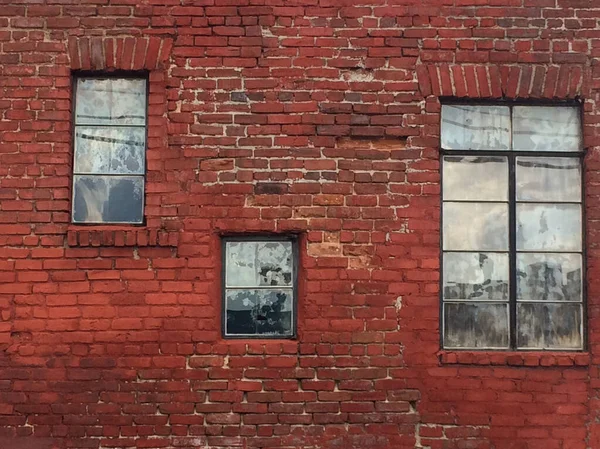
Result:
{"points": [[108, 199], [549, 277], [475, 325], [548, 179], [105, 150], [241, 306], [549, 326], [547, 128], [475, 178], [113, 101], [475, 127], [549, 227], [475, 226], [275, 312], [257, 264], [476, 276], [259, 312]]}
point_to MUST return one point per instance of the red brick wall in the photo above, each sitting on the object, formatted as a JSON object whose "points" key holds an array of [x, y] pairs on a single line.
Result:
{"points": [[318, 117]]}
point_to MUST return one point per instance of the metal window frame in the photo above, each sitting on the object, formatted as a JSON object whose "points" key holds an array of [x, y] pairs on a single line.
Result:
{"points": [[512, 252], [291, 238], [117, 74]]}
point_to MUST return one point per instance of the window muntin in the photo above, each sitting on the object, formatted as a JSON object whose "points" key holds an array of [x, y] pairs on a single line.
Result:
{"points": [[109, 150], [512, 227], [259, 287]]}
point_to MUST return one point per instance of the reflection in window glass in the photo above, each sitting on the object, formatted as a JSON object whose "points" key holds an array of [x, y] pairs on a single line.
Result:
{"points": [[549, 277], [546, 128], [475, 127], [107, 199], [475, 226], [259, 264], [259, 288], [512, 227], [475, 178], [549, 326], [548, 227], [476, 325], [110, 150], [111, 101], [476, 276], [548, 179]]}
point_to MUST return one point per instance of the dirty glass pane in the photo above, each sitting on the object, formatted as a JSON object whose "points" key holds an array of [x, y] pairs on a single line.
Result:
{"points": [[475, 178], [476, 276], [548, 179], [241, 307], [549, 277], [108, 199], [259, 312], [475, 127], [549, 326], [105, 150], [546, 128], [549, 227], [274, 315], [257, 264], [113, 101], [475, 226], [475, 325]]}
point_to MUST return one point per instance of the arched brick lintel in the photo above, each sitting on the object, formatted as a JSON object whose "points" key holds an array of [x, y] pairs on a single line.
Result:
{"points": [[492, 81], [129, 53]]}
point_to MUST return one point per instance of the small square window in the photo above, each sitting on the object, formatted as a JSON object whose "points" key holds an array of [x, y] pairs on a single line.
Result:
{"points": [[109, 150], [259, 287], [512, 275]]}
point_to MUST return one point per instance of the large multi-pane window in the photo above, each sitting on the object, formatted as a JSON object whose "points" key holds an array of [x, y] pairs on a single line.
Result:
{"points": [[259, 287], [512, 270], [110, 150]]}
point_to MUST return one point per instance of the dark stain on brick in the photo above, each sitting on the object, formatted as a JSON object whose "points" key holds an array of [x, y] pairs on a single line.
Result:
{"points": [[271, 188]]}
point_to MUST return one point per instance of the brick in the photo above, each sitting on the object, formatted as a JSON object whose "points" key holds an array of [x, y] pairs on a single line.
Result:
{"points": [[319, 119]]}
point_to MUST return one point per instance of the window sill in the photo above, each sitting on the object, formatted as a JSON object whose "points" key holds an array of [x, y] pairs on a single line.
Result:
{"points": [[514, 358], [121, 236]]}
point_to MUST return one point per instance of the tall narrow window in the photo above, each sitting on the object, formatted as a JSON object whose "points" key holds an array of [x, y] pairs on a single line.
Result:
{"points": [[110, 150], [259, 287], [512, 227]]}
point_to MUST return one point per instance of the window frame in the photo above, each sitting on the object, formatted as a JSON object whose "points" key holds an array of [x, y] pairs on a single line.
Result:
{"points": [[512, 202], [102, 75], [293, 239]]}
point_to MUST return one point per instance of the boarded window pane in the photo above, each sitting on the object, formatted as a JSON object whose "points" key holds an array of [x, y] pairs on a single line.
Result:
{"points": [[475, 325], [259, 312], [549, 326], [548, 179], [476, 276], [108, 199], [114, 101], [549, 227], [475, 127], [475, 178], [104, 150], [549, 277], [546, 128], [475, 226]]}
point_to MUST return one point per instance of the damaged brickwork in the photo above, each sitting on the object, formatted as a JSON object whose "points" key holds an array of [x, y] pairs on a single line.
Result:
{"points": [[318, 118]]}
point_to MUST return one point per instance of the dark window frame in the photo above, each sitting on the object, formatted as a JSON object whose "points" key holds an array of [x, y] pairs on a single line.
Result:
{"points": [[293, 239], [512, 202], [102, 75]]}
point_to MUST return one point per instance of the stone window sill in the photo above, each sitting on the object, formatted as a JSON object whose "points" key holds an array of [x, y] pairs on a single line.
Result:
{"points": [[514, 358], [121, 236]]}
